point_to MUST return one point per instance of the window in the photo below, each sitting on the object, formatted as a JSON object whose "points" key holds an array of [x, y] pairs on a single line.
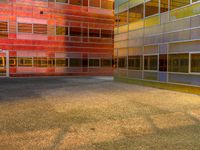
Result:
{"points": [[163, 63], [164, 5], [136, 25], [151, 63], [122, 62], [179, 63], [178, 3], [123, 18], [85, 32], [39, 28], [107, 4], [76, 2], [195, 63], [106, 62], [85, 2], [24, 28], [2, 61], [3, 35], [32, 28], [106, 33], [25, 62], [135, 62], [61, 30], [94, 32], [94, 63], [12, 62], [75, 62], [152, 21], [40, 62], [62, 1], [2, 65], [51, 62], [115, 62], [75, 31], [85, 62], [187, 11], [94, 3], [151, 7], [61, 62], [136, 13], [3, 29]]}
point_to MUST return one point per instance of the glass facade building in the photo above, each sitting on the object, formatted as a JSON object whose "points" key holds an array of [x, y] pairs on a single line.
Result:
{"points": [[56, 37], [158, 40]]}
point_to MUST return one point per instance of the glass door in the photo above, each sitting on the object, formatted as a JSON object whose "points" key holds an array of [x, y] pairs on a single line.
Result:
{"points": [[4, 64]]}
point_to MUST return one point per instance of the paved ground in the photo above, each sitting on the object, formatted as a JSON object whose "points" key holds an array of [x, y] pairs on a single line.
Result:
{"points": [[95, 113]]}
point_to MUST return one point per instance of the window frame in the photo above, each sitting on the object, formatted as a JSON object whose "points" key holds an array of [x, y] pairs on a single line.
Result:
{"points": [[25, 65], [135, 68], [5, 32], [75, 35], [106, 59], [69, 2], [66, 27], [17, 28], [40, 33], [169, 61], [62, 2], [119, 62], [32, 25], [111, 35], [190, 63], [94, 29], [93, 58], [94, 6], [78, 58], [63, 66], [150, 55]]}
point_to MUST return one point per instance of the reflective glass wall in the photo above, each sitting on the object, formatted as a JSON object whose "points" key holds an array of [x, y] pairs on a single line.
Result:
{"points": [[57, 37], [158, 40]]}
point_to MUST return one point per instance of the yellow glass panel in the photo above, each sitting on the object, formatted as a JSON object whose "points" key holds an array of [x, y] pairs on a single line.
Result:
{"points": [[122, 52], [151, 21], [174, 4], [136, 25], [121, 44], [133, 3], [123, 7], [25, 61], [185, 12], [123, 18], [12, 61], [116, 30], [123, 29], [2, 61]]}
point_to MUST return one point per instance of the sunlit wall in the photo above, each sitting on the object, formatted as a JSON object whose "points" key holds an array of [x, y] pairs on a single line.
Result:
{"points": [[158, 40]]}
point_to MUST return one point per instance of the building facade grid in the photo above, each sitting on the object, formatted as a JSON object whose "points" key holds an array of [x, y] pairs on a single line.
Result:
{"points": [[158, 40], [56, 37]]}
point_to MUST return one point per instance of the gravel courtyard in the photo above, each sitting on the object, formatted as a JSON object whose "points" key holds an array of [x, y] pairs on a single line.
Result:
{"points": [[95, 113]]}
